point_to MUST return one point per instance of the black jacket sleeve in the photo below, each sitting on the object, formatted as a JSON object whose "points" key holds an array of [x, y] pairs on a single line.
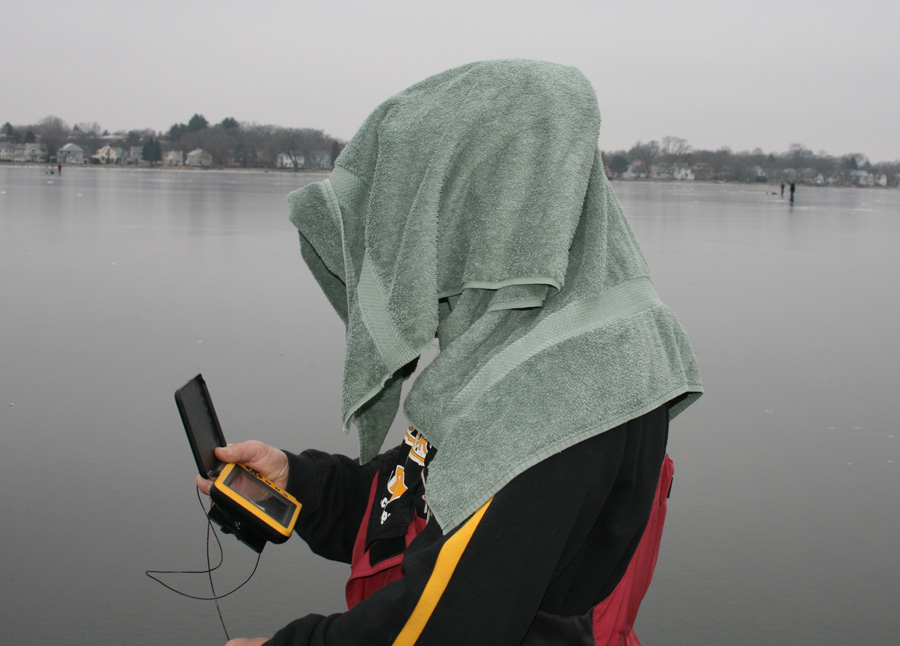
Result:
{"points": [[524, 551], [333, 490]]}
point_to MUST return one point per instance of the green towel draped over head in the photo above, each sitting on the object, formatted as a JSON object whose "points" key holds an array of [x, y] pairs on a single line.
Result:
{"points": [[473, 207]]}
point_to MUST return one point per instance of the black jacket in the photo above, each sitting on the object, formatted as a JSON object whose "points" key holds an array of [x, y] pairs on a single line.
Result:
{"points": [[527, 568]]}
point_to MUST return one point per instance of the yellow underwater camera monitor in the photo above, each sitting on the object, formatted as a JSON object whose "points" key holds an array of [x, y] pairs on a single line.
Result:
{"points": [[244, 503]]}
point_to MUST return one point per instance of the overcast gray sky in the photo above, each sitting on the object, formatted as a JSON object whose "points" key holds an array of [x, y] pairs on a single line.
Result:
{"points": [[718, 73]]}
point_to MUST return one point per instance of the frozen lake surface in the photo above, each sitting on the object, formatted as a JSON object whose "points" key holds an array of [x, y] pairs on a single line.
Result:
{"points": [[117, 286]]}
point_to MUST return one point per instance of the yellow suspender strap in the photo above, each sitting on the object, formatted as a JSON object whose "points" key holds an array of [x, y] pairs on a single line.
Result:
{"points": [[446, 562]]}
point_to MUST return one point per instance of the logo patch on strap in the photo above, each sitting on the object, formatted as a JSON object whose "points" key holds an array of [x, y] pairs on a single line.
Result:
{"points": [[419, 446], [397, 485]]}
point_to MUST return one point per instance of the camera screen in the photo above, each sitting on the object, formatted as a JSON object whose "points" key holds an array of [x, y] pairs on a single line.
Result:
{"points": [[253, 490]]}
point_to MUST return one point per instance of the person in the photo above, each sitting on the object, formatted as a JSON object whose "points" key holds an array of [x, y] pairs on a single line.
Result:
{"points": [[526, 501], [782, 190], [793, 189]]}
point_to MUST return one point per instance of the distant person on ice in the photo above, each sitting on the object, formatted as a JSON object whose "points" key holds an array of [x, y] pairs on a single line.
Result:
{"points": [[526, 502]]}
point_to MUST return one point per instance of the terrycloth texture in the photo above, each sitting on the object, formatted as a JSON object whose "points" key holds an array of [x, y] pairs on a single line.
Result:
{"points": [[473, 206]]}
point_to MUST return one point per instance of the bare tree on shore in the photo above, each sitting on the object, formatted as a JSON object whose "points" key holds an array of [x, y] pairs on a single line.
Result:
{"points": [[53, 133], [674, 149]]}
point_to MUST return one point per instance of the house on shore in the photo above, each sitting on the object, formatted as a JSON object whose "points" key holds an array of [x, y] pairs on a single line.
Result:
{"points": [[635, 170], [108, 155], [29, 153], [6, 151], [703, 172], [198, 158], [811, 176], [135, 155], [174, 158], [70, 154], [287, 161], [862, 178], [676, 171], [320, 159]]}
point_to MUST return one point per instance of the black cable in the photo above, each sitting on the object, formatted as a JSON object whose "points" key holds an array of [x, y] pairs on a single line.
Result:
{"points": [[208, 571], [212, 587]]}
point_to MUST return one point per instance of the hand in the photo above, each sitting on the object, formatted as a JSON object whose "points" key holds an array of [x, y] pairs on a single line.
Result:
{"points": [[266, 459], [259, 641]]}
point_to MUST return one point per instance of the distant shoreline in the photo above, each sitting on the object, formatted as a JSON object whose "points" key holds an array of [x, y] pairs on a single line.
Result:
{"points": [[287, 171], [191, 169]]}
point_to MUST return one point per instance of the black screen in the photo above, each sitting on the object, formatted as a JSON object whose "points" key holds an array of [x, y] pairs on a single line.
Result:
{"points": [[201, 424]]}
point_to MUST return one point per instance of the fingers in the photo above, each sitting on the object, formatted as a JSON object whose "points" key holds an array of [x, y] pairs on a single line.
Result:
{"points": [[203, 485], [268, 460]]}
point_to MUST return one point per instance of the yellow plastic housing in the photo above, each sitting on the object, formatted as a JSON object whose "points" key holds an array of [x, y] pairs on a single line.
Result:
{"points": [[254, 499]]}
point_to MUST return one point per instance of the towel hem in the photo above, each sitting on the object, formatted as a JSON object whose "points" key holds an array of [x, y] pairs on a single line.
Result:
{"points": [[450, 521], [500, 284]]}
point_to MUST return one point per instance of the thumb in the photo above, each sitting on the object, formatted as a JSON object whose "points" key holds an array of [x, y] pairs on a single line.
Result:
{"points": [[243, 452], [233, 453]]}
